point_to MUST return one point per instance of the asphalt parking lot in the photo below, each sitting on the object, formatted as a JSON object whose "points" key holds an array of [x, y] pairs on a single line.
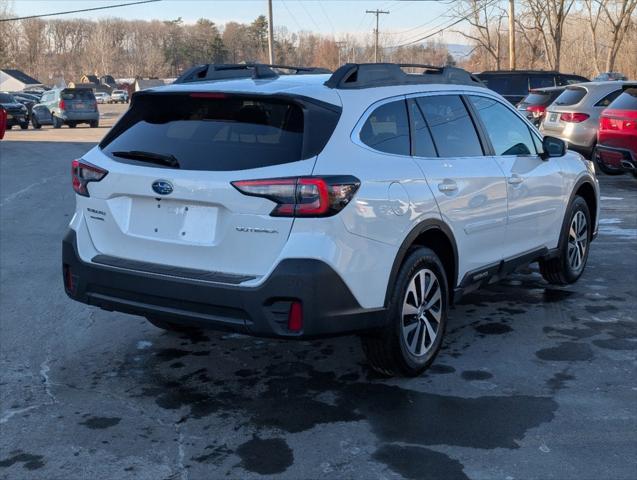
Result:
{"points": [[534, 381]]}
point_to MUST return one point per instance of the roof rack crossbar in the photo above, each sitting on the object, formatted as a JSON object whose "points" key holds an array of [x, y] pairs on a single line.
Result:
{"points": [[367, 75], [229, 71]]}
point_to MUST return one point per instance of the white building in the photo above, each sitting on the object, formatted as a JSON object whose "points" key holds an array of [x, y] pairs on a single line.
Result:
{"points": [[16, 80]]}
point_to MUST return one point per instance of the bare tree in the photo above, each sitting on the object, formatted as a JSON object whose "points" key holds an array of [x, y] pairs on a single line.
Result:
{"points": [[485, 19], [548, 19]]}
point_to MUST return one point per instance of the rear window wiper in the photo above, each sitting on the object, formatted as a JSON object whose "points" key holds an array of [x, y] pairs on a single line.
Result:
{"points": [[158, 158]]}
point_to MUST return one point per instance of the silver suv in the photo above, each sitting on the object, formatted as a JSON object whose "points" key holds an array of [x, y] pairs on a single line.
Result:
{"points": [[574, 115]]}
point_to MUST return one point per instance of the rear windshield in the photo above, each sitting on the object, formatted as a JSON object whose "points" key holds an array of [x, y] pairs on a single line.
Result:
{"points": [[571, 96], [80, 94], [537, 98], [507, 84], [626, 101], [218, 132], [6, 98]]}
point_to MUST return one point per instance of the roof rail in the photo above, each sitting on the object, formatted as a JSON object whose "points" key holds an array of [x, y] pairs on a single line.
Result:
{"points": [[368, 75], [228, 71]]}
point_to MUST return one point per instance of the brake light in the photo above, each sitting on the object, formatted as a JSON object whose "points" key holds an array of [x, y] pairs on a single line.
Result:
{"points": [[607, 122], [536, 110], [574, 117], [82, 173], [303, 196], [62, 105]]}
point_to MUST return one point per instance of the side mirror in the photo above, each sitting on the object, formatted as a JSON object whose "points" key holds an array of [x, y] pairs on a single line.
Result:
{"points": [[553, 147]]}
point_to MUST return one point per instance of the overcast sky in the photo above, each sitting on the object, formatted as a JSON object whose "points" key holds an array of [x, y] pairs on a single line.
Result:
{"points": [[408, 19]]}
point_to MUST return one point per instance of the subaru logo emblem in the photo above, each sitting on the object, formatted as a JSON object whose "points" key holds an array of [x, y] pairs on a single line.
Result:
{"points": [[163, 187]]}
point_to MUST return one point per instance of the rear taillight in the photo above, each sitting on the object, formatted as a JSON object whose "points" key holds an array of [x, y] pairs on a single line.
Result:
{"points": [[82, 173], [303, 196], [61, 105], [536, 110], [607, 122], [574, 117]]}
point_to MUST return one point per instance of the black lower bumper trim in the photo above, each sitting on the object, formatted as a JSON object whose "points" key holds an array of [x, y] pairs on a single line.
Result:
{"points": [[329, 308]]}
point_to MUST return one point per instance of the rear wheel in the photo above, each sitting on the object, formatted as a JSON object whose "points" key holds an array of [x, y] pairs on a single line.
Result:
{"points": [[57, 122], [72, 125], [34, 123], [170, 326], [24, 125], [418, 317], [94, 123], [569, 264]]}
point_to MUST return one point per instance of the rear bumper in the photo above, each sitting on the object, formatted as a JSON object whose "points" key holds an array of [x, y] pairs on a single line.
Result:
{"points": [[79, 116], [17, 119], [616, 158], [329, 308]]}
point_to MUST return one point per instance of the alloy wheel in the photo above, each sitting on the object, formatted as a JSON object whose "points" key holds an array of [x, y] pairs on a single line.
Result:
{"points": [[422, 312], [577, 241]]}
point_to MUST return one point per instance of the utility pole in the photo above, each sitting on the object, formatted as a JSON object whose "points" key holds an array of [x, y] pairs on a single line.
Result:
{"points": [[512, 34], [270, 33], [377, 13]]}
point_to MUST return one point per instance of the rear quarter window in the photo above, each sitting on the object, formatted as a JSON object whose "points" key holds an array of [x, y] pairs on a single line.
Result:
{"points": [[387, 129]]}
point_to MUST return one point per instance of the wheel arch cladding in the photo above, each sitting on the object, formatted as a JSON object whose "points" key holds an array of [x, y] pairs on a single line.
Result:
{"points": [[586, 190], [435, 235]]}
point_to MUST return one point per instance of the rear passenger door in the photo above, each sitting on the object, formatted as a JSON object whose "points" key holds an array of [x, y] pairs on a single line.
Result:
{"points": [[469, 187], [534, 185]]}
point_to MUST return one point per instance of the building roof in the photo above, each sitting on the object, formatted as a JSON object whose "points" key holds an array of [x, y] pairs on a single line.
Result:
{"points": [[21, 76]]}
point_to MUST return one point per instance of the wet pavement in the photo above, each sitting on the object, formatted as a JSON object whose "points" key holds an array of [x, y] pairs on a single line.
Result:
{"points": [[534, 381]]}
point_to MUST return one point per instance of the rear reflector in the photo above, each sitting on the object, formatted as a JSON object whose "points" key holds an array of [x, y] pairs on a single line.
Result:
{"points": [[82, 173], [303, 196], [295, 316], [69, 280], [574, 117]]}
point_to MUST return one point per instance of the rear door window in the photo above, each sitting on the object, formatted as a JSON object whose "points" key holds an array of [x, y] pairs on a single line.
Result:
{"points": [[571, 96], [451, 127], [387, 129], [218, 132], [509, 135], [626, 101]]}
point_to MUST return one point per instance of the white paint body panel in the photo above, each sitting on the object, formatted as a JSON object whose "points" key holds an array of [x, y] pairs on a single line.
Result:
{"points": [[489, 218]]}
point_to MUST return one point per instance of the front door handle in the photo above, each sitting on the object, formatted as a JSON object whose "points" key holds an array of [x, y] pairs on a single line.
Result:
{"points": [[448, 186], [515, 179]]}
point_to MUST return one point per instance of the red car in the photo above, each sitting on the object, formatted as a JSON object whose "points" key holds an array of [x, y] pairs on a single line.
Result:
{"points": [[3, 122], [616, 150]]}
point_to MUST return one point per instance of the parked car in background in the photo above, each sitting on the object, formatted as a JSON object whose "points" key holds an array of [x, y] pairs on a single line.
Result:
{"points": [[616, 150], [514, 85], [27, 100], [574, 115], [534, 105], [3, 121], [17, 113], [119, 96], [102, 97], [68, 106], [609, 76]]}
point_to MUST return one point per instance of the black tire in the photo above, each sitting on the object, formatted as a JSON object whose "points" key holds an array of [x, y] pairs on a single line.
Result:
{"points": [[35, 124], [388, 350], [25, 125], [170, 326], [72, 125], [94, 123], [558, 270], [9, 127], [57, 122]]}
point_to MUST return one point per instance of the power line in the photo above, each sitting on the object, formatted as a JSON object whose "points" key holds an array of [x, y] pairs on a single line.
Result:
{"points": [[442, 29], [77, 11]]}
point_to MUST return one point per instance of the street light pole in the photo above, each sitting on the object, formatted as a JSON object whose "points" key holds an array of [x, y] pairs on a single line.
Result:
{"points": [[270, 33]]}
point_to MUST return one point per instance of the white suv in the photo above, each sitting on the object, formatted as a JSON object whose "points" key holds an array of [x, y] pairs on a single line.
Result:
{"points": [[306, 205]]}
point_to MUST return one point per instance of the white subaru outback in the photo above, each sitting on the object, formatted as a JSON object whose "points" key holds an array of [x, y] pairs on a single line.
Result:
{"points": [[298, 206]]}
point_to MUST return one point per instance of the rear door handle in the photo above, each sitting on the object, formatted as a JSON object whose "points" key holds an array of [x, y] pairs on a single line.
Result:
{"points": [[515, 179], [448, 186]]}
